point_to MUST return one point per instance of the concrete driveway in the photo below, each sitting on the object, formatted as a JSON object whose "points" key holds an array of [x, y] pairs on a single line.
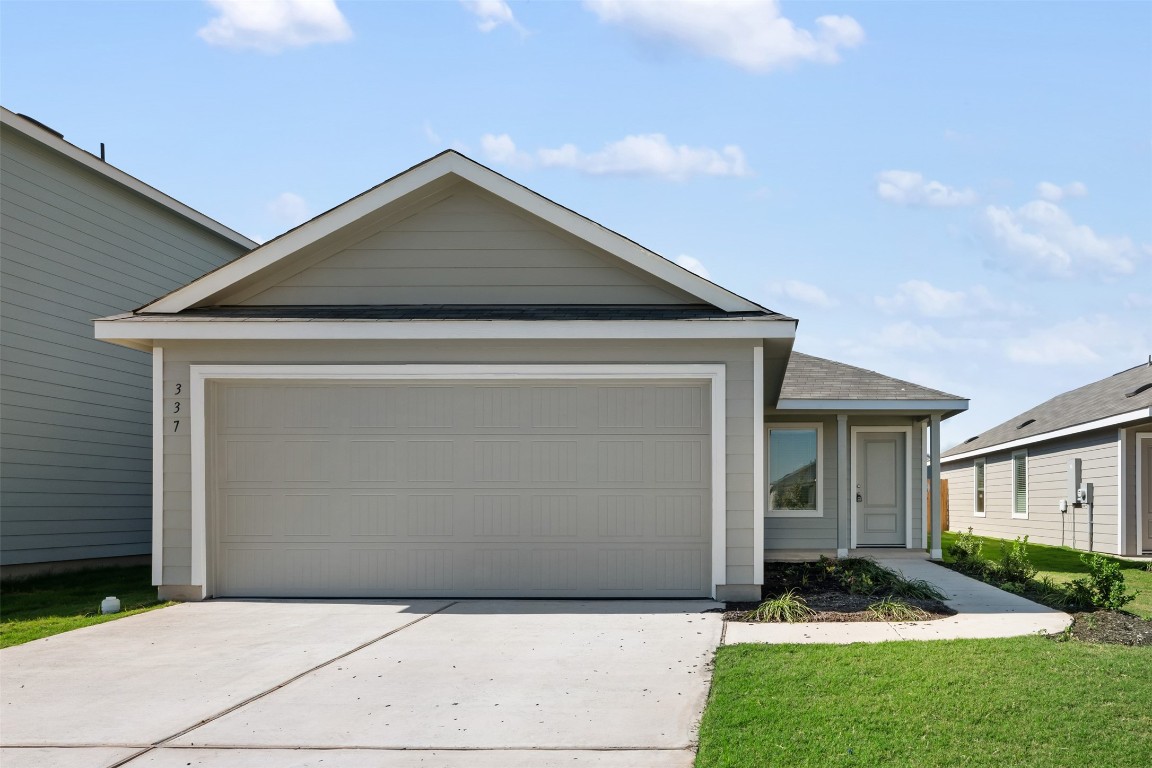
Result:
{"points": [[365, 683]]}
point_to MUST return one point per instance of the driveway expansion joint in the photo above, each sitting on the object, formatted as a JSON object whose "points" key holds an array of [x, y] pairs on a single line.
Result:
{"points": [[289, 681]]}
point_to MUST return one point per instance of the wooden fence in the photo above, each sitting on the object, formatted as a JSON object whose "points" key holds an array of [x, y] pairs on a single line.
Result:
{"points": [[943, 507]]}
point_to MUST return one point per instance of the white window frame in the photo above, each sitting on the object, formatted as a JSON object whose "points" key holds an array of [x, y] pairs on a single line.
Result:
{"points": [[819, 511], [1016, 515], [979, 475]]}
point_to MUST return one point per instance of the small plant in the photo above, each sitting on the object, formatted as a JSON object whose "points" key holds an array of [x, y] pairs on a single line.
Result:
{"points": [[788, 607], [1014, 587], [966, 548], [1051, 593], [918, 589], [891, 609], [1104, 587], [1015, 567], [865, 576]]}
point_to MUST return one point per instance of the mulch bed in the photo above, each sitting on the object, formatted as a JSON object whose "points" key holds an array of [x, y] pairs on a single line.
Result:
{"points": [[1111, 627]]}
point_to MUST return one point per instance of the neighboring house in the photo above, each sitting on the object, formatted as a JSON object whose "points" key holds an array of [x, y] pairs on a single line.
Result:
{"points": [[450, 385], [81, 239], [1021, 478]]}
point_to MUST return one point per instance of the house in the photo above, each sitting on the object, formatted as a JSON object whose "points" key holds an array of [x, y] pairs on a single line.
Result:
{"points": [[81, 239], [1023, 477], [451, 385]]}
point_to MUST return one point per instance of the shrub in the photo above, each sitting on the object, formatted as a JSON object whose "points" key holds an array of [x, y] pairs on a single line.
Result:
{"points": [[789, 607], [865, 576], [1051, 593], [1104, 587], [891, 609], [1015, 567], [966, 548], [918, 589]]}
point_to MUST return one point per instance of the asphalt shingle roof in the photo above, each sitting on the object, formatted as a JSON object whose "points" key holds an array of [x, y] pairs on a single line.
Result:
{"points": [[461, 312], [1098, 400], [814, 378]]}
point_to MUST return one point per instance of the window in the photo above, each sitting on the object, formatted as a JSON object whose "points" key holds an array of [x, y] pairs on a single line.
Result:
{"points": [[978, 489], [795, 470], [1020, 484]]}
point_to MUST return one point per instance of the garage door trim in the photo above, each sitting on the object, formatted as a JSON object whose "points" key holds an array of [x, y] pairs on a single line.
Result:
{"points": [[200, 375]]}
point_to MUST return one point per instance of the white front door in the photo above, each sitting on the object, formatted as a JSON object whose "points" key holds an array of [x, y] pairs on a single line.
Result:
{"points": [[881, 503]]}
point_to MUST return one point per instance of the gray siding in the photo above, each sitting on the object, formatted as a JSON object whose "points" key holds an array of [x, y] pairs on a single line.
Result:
{"points": [[736, 355], [819, 533], [1047, 485], [466, 249], [75, 459]]}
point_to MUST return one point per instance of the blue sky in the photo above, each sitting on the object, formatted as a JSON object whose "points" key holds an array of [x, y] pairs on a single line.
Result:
{"points": [[959, 193]]}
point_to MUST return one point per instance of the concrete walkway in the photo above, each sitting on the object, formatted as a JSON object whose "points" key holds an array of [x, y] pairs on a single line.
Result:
{"points": [[353, 684], [982, 611]]}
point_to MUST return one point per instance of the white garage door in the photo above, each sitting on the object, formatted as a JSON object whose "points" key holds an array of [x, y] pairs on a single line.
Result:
{"points": [[457, 488]]}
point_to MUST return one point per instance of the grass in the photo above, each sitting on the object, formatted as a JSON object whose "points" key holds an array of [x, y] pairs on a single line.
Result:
{"points": [[1062, 565], [41, 606], [1025, 701]]}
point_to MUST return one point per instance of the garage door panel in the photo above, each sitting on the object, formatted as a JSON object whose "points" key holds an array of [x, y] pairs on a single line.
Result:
{"points": [[550, 489]]}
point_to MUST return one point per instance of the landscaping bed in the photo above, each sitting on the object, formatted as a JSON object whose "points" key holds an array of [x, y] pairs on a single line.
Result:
{"points": [[842, 590]]}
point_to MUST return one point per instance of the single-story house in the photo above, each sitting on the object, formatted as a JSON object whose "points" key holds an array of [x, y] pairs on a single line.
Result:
{"points": [[1074, 471], [451, 385], [81, 239]]}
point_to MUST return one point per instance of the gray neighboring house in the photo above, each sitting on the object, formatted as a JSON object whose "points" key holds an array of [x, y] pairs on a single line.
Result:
{"points": [[1021, 477], [81, 239], [452, 386]]}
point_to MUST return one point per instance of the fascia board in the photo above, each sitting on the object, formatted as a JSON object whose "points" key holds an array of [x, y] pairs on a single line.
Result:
{"points": [[1109, 421], [919, 406], [131, 333], [90, 161]]}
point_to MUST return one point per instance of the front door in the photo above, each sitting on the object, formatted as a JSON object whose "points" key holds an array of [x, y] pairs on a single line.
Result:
{"points": [[881, 475]]}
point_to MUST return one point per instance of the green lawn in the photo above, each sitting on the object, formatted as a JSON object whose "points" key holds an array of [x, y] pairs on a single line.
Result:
{"points": [[48, 605], [1026, 701], [1063, 564]]}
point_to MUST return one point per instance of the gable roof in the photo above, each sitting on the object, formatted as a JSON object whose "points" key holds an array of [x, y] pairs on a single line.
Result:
{"points": [[814, 383], [1117, 399], [406, 188], [44, 135]]}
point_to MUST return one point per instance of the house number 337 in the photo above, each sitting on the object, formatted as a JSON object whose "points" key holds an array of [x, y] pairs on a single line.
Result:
{"points": [[176, 407]]}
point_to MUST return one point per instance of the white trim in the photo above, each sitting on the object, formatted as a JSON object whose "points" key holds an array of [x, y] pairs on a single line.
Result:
{"points": [[1141, 481], [915, 406], [937, 491], [983, 463], [126, 332], [93, 163], [157, 466], [1121, 491], [1022, 452], [440, 167], [758, 461], [715, 373], [924, 525], [1110, 421], [854, 431], [767, 477]]}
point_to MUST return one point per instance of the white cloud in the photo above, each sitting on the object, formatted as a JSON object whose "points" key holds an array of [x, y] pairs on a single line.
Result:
{"points": [[1081, 341], [910, 188], [1041, 237], [430, 133], [692, 265], [491, 14], [908, 335], [1055, 193], [803, 292], [288, 208], [642, 155], [750, 34], [270, 26], [927, 300]]}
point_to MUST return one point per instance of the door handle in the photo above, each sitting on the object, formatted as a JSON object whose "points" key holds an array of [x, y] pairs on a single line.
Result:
{"points": [[860, 497]]}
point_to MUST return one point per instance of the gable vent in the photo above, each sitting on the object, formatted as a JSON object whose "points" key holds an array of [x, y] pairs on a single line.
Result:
{"points": [[1139, 389], [1023, 424], [975, 437]]}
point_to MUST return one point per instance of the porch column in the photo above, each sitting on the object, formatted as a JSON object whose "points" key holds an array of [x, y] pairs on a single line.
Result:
{"points": [[843, 489], [936, 550]]}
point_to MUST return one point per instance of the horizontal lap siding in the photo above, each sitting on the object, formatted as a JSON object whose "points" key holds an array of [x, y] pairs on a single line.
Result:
{"points": [[467, 249], [76, 459], [1047, 486], [737, 356]]}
